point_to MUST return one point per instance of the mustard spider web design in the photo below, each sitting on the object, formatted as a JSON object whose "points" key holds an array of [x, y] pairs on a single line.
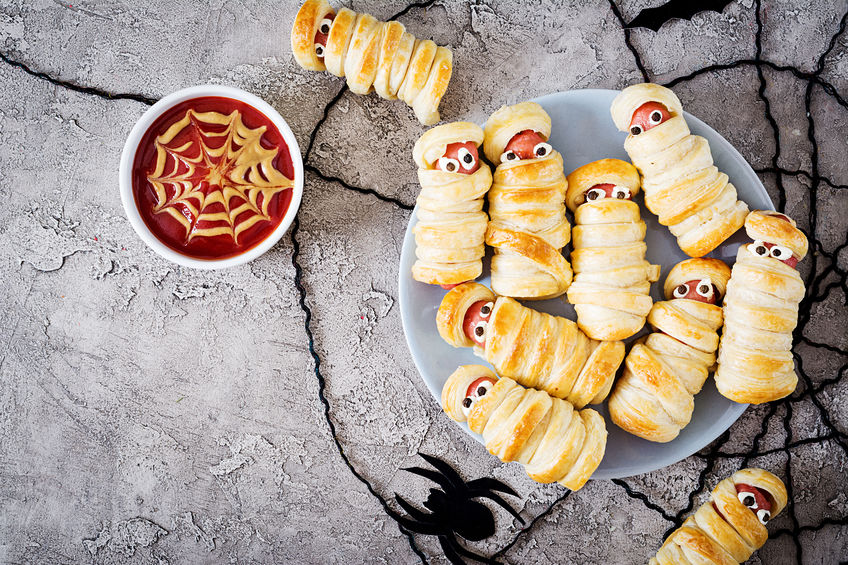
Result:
{"points": [[190, 178]]}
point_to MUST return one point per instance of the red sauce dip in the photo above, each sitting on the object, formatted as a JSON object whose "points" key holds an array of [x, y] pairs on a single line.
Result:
{"points": [[201, 198]]}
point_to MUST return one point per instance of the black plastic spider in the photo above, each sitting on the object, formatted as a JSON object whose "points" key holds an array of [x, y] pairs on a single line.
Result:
{"points": [[453, 510]]}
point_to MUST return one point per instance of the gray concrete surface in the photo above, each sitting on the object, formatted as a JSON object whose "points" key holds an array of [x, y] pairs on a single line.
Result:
{"points": [[154, 414]]}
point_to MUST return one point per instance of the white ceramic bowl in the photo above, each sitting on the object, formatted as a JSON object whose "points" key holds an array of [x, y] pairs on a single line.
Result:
{"points": [[128, 158]]}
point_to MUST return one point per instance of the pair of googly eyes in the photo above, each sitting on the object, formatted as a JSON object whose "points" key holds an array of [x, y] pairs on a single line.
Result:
{"points": [[468, 401], [703, 288], [323, 28], [480, 327], [465, 160], [541, 150], [595, 194], [779, 252], [654, 119], [749, 501]]}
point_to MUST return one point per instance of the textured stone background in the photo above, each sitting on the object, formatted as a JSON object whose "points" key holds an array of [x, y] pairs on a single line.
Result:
{"points": [[153, 414]]}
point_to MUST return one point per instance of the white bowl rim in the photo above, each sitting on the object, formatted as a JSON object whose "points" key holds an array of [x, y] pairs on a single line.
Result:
{"points": [[128, 158]]}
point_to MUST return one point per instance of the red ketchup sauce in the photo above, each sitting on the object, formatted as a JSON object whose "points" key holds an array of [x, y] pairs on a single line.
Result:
{"points": [[207, 178]]}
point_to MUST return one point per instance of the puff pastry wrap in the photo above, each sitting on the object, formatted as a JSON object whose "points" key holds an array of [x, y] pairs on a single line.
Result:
{"points": [[612, 280], [682, 186], [451, 227], [755, 362], [540, 351], [376, 55], [554, 442], [723, 531], [653, 399], [527, 226]]}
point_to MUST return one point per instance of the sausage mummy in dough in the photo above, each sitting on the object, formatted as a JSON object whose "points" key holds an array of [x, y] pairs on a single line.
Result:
{"points": [[538, 350], [653, 399], [612, 279], [682, 186], [755, 362], [729, 527], [451, 228], [373, 55], [528, 228], [554, 442]]}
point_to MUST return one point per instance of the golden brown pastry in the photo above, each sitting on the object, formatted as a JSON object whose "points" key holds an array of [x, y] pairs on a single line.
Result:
{"points": [[554, 442], [682, 186], [729, 527], [612, 280], [663, 371], [451, 228], [755, 362], [373, 55], [538, 350], [527, 227]]}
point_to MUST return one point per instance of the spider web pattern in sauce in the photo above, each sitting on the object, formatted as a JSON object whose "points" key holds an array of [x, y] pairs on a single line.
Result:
{"points": [[201, 198]]}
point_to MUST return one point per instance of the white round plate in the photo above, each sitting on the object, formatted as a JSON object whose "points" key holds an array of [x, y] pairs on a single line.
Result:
{"points": [[583, 131]]}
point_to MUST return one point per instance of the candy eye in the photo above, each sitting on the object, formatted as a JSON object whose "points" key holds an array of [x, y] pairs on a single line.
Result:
{"points": [[747, 499], [681, 291], [620, 192], [508, 156], [466, 159], [448, 164], [484, 387], [486, 309], [595, 194], [705, 288], [780, 252], [656, 117], [324, 26], [319, 49], [467, 403], [480, 332], [758, 248], [542, 149], [635, 130], [764, 516]]}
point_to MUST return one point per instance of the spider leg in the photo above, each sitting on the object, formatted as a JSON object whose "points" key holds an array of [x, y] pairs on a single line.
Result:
{"points": [[448, 471], [455, 552], [417, 527], [500, 501], [419, 515], [491, 484], [434, 476]]}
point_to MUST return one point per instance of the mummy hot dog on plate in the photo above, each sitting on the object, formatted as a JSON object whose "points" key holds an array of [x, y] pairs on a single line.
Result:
{"points": [[451, 228], [755, 362], [528, 228], [373, 55], [682, 186], [729, 527], [538, 350], [612, 281], [663, 371], [554, 442]]}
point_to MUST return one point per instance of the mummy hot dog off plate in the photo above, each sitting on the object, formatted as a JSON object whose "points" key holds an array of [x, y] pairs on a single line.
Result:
{"points": [[582, 132]]}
